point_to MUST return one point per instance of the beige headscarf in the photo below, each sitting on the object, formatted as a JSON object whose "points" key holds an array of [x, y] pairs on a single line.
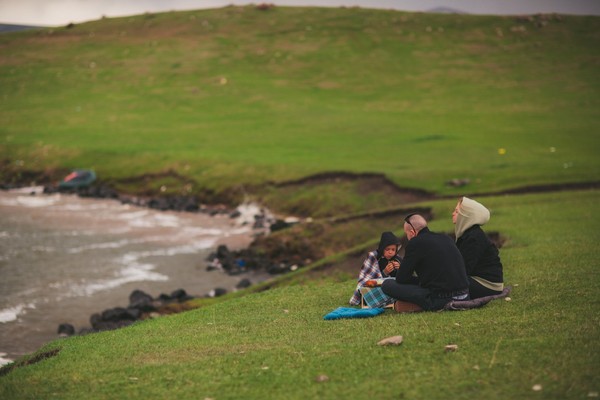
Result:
{"points": [[470, 213]]}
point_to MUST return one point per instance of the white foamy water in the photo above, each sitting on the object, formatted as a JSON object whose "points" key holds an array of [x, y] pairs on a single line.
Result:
{"points": [[106, 245], [133, 273], [3, 360], [12, 313], [63, 258]]}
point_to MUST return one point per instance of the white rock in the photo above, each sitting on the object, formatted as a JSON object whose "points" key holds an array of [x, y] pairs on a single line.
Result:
{"points": [[395, 340]]}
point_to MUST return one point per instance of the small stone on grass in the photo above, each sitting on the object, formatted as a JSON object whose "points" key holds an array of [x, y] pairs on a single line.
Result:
{"points": [[395, 340], [451, 347]]}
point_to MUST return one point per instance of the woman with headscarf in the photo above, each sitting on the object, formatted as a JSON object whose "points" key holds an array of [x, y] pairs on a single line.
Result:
{"points": [[479, 253]]}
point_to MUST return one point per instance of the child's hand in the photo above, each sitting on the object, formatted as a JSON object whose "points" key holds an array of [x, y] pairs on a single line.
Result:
{"points": [[389, 268], [396, 264]]}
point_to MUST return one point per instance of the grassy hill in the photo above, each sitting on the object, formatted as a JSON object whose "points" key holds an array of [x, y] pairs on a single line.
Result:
{"points": [[326, 112], [5, 28], [238, 97]]}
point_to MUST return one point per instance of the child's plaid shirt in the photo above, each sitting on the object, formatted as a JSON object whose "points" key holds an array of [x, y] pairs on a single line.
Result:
{"points": [[369, 270]]}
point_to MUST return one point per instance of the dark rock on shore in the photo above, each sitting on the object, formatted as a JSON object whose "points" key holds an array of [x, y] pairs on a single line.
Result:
{"points": [[98, 325], [244, 283], [66, 330], [141, 306], [236, 262], [277, 269], [163, 203], [120, 314], [180, 295], [141, 301], [217, 292], [281, 224]]}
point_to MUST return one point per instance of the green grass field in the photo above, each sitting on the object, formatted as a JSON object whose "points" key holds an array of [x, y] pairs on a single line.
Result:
{"points": [[275, 344], [238, 96], [235, 99]]}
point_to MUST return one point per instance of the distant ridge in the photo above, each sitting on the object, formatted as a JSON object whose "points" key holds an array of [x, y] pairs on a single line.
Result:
{"points": [[5, 28], [445, 10]]}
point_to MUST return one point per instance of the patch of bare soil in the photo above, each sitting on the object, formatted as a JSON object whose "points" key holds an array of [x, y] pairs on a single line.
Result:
{"points": [[35, 359], [337, 194], [557, 187], [367, 182], [379, 182], [13, 176]]}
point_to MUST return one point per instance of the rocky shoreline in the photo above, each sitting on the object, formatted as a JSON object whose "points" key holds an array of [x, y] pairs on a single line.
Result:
{"points": [[262, 221], [162, 203], [143, 306], [240, 261]]}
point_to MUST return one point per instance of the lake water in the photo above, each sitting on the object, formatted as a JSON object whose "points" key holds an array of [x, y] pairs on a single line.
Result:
{"points": [[63, 258]]}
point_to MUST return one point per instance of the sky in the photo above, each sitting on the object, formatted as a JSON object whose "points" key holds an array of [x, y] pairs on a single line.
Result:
{"points": [[62, 12]]}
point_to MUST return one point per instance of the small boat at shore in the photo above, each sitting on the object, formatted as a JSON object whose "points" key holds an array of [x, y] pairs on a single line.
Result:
{"points": [[79, 178]]}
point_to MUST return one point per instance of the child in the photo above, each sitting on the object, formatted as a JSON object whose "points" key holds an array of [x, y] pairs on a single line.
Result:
{"points": [[380, 263]]}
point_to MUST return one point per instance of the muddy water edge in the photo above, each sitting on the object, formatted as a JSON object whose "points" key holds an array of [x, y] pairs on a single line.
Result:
{"points": [[63, 258]]}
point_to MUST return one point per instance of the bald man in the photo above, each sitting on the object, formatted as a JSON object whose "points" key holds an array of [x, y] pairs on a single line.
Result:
{"points": [[438, 265]]}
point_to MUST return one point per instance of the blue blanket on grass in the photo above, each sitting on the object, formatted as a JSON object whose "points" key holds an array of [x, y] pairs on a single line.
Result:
{"points": [[348, 312]]}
